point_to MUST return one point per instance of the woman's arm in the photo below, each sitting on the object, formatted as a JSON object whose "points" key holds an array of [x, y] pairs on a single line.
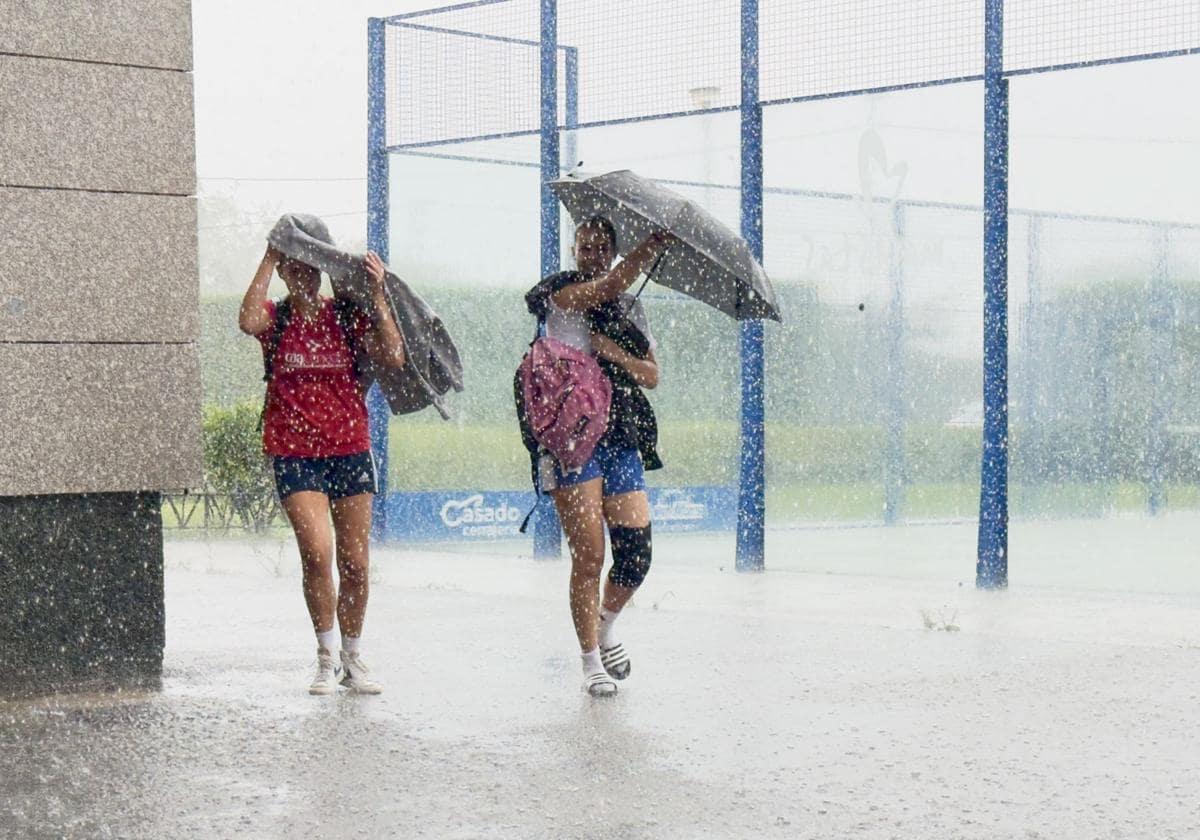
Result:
{"points": [[580, 297], [384, 343], [253, 317], [644, 371]]}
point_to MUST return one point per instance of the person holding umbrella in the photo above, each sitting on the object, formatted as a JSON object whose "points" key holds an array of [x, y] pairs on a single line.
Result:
{"points": [[590, 309], [680, 246]]}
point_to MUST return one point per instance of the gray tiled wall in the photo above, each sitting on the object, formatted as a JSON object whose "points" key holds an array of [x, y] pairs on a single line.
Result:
{"points": [[74, 125], [141, 33], [92, 266], [99, 309]]}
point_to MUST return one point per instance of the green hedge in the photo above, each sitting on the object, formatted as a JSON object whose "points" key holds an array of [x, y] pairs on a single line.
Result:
{"points": [[828, 375], [234, 464]]}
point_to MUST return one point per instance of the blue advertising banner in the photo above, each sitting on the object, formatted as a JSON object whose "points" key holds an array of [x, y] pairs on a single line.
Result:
{"points": [[496, 514]]}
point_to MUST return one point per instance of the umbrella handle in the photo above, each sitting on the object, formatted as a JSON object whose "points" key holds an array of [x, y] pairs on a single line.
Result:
{"points": [[649, 274], [639, 292], [657, 262]]}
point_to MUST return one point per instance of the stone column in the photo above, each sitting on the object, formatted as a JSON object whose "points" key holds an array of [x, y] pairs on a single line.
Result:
{"points": [[99, 322]]}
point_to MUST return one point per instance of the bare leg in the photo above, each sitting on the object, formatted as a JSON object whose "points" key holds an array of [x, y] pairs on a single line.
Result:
{"points": [[352, 523], [308, 511], [580, 509], [629, 510]]}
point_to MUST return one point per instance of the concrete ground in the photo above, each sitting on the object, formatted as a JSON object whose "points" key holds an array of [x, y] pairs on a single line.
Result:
{"points": [[861, 688]]}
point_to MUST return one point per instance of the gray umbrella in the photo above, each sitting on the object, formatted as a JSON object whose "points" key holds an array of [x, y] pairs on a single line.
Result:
{"points": [[711, 263]]}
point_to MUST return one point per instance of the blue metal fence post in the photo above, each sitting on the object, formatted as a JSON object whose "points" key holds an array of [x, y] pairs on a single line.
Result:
{"points": [[377, 241], [547, 534], [991, 570], [894, 478], [752, 473], [1162, 328]]}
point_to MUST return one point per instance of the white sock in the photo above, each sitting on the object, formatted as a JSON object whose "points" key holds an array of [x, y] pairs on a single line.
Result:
{"points": [[350, 644], [326, 640], [591, 662], [608, 623]]}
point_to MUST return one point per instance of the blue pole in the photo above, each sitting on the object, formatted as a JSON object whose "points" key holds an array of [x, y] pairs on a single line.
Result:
{"points": [[752, 474], [893, 501], [547, 533], [991, 570], [377, 241]]}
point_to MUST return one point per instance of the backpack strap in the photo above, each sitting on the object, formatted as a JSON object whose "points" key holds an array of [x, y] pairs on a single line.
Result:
{"points": [[283, 316], [344, 310], [539, 331], [537, 500]]}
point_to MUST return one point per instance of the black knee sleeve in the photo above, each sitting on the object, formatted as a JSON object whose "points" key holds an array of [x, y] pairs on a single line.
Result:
{"points": [[631, 555]]}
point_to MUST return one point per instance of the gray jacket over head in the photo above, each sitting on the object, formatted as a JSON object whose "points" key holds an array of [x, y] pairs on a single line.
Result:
{"points": [[432, 365]]}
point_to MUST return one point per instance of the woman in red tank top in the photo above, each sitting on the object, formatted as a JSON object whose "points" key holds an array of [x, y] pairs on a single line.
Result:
{"points": [[315, 430]]}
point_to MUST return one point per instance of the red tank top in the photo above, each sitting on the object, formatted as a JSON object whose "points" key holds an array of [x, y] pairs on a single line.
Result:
{"points": [[315, 407]]}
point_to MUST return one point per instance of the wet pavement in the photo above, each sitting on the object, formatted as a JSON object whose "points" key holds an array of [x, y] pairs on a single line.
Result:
{"points": [[786, 704]]}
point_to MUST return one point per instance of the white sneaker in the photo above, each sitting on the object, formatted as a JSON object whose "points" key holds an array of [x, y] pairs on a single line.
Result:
{"points": [[325, 680], [357, 676]]}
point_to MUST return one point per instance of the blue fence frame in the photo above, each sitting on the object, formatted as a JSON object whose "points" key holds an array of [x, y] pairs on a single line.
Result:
{"points": [[378, 216], [752, 482], [991, 570], [547, 532], [992, 552]]}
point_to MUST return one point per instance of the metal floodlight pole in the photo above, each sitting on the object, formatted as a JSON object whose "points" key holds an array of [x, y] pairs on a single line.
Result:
{"points": [[752, 472], [1162, 328], [1032, 347], [570, 140], [991, 569], [377, 241], [547, 533], [571, 88], [894, 477]]}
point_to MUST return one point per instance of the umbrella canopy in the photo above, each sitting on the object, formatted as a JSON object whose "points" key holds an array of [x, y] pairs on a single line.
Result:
{"points": [[710, 263]]}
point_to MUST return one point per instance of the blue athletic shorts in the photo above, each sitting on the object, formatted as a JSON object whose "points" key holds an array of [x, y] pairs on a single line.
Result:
{"points": [[621, 470], [337, 477]]}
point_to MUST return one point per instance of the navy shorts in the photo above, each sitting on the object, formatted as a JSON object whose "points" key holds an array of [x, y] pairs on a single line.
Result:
{"points": [[337, 477], [621, 470]]}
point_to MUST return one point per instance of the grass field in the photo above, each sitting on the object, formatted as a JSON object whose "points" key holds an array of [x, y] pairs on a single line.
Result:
{"points": [[814, 474]]}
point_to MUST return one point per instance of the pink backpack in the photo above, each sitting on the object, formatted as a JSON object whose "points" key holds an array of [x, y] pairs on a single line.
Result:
{"points": [[566, 398]]}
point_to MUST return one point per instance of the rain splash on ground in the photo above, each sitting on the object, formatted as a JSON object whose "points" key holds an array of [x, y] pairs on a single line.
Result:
{"points": [[861, 688]]}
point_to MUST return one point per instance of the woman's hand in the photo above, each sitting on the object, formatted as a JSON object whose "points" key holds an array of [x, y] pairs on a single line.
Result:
{"points": [[377, 272], [385, 343], [252, 316], [643, 371], [660, 240]]}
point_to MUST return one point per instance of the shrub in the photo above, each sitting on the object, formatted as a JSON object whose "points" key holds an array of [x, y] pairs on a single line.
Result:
{"points": [[234, 463]]}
